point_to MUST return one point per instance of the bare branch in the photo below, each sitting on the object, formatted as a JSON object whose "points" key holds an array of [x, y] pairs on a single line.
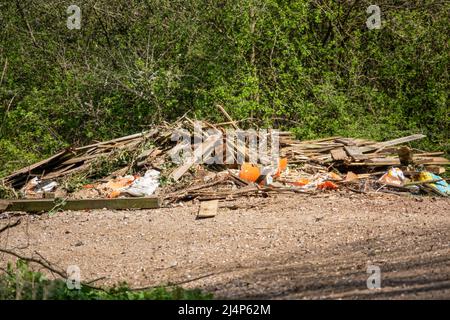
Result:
{"points": [[11, 225]]}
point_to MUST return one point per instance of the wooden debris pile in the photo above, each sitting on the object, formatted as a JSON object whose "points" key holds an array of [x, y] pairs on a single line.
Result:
{"points": [[329, 163], [348, 152], [76, 160]]}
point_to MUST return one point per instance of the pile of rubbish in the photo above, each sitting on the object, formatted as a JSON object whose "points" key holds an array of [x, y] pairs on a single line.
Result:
{"points": [[143, 165]]}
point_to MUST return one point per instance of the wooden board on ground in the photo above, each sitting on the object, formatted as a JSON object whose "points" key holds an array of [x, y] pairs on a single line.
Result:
{"points": [[208, 209], [38, 205], [338, 154]]}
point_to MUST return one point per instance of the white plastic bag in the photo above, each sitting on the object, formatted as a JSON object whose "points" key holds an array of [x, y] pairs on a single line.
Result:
{"points": [[144, 186]]}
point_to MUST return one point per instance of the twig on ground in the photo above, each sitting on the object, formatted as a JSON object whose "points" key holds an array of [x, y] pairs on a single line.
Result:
{"points": [[11, 225], [47, 265]]}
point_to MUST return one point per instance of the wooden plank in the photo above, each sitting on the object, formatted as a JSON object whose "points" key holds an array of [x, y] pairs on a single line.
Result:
{"points": [[3, 205], [49, 195], [355, 152], [208, 209], [346, 141], [322, 150], [27, 169], [394, 142], [338, 154], [435, 169], [198, 154], [405, 155], [68, 170], [38, 205], [434, 160], [376, 164], [79, 159], [58, 173], [145, 134], [406, 139], [321, 140], [178, 147], [429, 154]]}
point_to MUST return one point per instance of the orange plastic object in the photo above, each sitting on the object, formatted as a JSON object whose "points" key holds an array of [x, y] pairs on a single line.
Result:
{"points": [[119, 183], [282, 165], [88, 186], [249, 172], [114, 194], [301, 182], [327, 185]]}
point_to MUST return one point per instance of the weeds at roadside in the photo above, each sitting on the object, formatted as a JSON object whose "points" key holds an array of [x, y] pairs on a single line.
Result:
{"points": [[18, 282]]}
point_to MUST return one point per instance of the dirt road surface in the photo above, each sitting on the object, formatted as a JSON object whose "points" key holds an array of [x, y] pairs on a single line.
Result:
{"points": [[282, 247]]}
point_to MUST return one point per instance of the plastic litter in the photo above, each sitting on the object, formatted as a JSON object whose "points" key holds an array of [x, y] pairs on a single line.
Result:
{"points": [[301, 182], [265, 176], [249, 172], [36, 185], [119, 183], [394, 176], [441, 186], [144, 186], [327, 185], [282, 166], [114, 187]]}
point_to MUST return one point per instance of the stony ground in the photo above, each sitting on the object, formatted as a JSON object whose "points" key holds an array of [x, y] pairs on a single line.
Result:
{"points": [[282, 247]]}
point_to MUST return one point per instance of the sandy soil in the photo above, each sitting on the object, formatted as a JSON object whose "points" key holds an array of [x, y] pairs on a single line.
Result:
{"points": [[283, 247]]}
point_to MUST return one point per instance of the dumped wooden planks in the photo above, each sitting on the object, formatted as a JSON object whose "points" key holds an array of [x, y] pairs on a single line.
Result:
{"points": [[361, 152], [38, 205], [154, 148], [73, 160]]}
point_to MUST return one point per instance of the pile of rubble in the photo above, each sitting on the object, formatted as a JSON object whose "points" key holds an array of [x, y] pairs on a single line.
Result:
{"points": [[155, 163]]}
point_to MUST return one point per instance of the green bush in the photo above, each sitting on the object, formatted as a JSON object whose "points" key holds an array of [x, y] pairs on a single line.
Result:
{"points": [[19, 282], [308, 66]]}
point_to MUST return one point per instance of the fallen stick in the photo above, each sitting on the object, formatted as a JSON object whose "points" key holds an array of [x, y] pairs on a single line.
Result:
{"points": [[44, 263], [11, 225], [40, 262], [225, 113]]}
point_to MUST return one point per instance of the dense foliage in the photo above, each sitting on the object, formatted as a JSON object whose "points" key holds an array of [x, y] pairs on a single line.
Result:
{"points": [[18, 282], [310, 66]]}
